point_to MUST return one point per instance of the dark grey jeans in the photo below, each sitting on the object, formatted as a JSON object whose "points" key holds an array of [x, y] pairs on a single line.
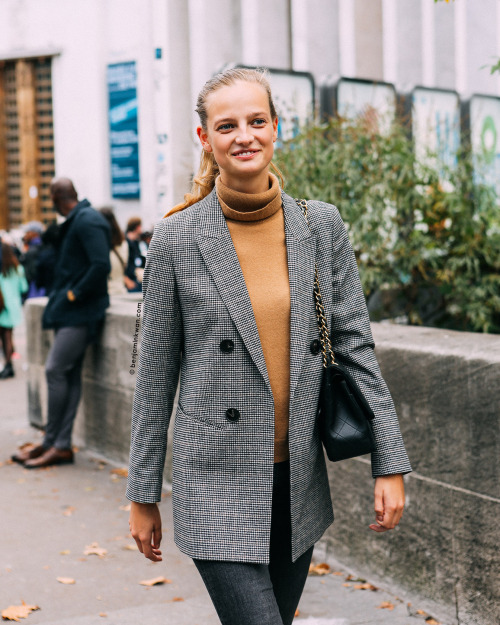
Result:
{"points": [[258, 594], [63, 371]]}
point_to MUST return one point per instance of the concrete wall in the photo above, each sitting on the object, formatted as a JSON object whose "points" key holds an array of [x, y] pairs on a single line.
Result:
{"points": [[446, 386]]}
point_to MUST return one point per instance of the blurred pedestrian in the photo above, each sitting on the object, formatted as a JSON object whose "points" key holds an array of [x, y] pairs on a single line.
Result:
{"points": [[229, 310], [47, 258], [13, 285], [136, 260], [118, 257], [32, 243], [75, 310]]}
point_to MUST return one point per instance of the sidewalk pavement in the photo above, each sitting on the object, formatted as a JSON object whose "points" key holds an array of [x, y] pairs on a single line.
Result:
{"points": [[50, 517]]}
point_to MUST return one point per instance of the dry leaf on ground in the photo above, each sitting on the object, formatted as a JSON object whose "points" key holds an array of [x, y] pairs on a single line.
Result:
{"points": [[319, 569], [386, 605], [16, 612], [340, 573], [103, 614], [365, 586], [297, 613], [432, 621], [155, 581], [94, 550], [66, 580], [130, 547], [121, 472], [65, 552], [68, 511], [177, 599]]}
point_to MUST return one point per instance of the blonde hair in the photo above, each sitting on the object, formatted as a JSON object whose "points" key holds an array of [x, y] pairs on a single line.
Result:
{"points": [[204, 181]]}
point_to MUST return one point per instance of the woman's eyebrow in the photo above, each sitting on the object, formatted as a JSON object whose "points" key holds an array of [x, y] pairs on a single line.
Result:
{"points": [[223, 120]]}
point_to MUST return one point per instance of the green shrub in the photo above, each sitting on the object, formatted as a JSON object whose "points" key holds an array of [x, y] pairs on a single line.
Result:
{"points": [[428, 250]]}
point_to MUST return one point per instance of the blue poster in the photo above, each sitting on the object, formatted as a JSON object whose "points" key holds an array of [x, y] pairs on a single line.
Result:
{"points": [[123, 135]]}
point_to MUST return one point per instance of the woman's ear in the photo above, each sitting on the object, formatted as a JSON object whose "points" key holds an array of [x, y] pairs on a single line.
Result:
{"points": [[275, 129], [203, 137]]}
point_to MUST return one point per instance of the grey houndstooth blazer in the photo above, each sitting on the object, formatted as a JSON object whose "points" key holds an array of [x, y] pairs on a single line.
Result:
{"points": [[195, 298]]}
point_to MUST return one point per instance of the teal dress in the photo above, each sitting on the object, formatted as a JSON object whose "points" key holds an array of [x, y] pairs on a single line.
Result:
{"points": [[13, 285]]}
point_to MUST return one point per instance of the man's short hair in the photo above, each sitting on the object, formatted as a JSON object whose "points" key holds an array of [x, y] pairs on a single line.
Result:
{"points": [[132, 223]]}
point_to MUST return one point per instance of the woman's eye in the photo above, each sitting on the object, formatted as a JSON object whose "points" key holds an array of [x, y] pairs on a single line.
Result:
{"points": [[225, 127], [259, 122]]}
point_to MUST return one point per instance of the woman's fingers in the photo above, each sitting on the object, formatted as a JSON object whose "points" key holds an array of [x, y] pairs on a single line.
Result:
{"points": [[389, 502], [145, 527]]}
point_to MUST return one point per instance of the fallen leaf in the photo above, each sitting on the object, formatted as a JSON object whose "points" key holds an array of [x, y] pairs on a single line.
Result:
{"points": [[155, 581], [347, 585], [65, 552], [386, 605], [94, 550], [177, 599], [365, 586], [431, 621], [66, 580], [89, 488], [16, 612], [133, 547], [68, 511], [421, 612], [297, 613], [319, 569], [103, 614], [120, 472], [126, 508], [337, 573]]}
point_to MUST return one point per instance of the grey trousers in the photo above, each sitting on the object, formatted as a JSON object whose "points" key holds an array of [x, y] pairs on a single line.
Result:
{"points": [[245, 593], [63, 371]]}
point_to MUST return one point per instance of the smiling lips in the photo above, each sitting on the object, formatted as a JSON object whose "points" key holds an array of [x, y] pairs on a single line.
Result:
{"points": [[245, 153]]}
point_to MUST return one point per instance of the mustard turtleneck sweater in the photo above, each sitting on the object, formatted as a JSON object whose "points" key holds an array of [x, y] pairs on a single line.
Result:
{"points": [[257, 227]]}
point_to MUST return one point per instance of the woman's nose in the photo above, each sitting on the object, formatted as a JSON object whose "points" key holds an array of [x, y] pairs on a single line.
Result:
{"points": [[244, 136]]}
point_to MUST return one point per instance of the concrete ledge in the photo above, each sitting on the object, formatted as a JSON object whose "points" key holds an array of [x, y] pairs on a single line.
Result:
{"points": [[446, 386]]}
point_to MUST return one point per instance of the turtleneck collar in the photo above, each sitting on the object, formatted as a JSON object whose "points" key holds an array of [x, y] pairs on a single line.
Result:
{"points": [[249, 206]]}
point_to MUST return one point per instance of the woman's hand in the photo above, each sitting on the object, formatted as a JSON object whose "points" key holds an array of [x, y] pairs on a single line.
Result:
{"points": [[389, 502], [145, 527]]}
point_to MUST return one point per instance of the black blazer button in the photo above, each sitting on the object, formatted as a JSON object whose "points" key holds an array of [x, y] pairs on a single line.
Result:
{"points": [[315, 346], [226, 346], [232, 414]]}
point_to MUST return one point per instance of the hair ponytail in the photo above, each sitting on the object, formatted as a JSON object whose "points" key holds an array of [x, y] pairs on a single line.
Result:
{"points": [[204, 181]]}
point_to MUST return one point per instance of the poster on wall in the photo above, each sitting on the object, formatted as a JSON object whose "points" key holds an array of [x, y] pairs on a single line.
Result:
{"points": [[375, 102], [123, 134], [484, 122], [293, 96], [435, 124]]}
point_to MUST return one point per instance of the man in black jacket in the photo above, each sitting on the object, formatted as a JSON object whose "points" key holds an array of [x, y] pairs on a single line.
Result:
{"points": [[75, 310]]}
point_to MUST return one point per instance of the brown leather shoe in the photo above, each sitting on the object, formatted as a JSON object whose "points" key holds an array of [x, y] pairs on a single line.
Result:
{"points": [[51, 457], [29, 453]]}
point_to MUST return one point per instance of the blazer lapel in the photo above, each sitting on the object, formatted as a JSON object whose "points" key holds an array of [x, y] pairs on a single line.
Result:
{"points": [[301, 251], [217, 250]]}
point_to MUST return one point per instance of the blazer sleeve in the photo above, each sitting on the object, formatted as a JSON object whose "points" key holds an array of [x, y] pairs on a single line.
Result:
{"points": [[353, 345], [158, 372]]}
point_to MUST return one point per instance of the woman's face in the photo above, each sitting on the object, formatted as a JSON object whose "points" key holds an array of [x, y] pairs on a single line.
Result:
{"points": [[241, 134]]}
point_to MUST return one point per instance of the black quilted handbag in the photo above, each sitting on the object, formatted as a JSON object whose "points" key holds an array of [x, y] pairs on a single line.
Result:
{"points": [[344, 416]]}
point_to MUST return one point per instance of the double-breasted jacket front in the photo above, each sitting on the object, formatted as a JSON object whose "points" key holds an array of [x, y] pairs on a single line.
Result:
{"points": [[198, 324]]}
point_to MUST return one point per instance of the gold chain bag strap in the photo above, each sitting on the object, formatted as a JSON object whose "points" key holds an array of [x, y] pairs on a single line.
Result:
{"points": [[344, 415]]}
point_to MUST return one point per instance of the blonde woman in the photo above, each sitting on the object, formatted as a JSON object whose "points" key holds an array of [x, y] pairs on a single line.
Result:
{"points": [[228, 308]]}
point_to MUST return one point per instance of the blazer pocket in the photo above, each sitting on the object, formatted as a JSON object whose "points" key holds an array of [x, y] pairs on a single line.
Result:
{"points": [[199, 419]]}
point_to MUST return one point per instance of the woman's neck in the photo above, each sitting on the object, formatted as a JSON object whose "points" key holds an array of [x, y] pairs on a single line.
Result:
{"points": [[247, 185]]}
